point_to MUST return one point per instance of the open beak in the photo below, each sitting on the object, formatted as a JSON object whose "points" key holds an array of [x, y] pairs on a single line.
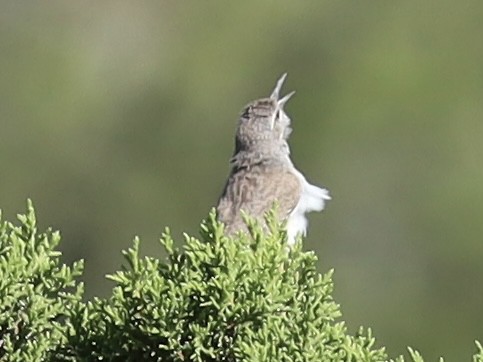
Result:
{"points": [[284, 100], [276, 92]]}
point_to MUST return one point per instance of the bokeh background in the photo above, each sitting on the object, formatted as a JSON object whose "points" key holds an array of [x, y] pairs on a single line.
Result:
{"points": [[117, 119]]}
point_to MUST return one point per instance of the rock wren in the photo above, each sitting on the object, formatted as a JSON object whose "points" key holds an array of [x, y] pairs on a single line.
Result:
{"points": [[262, 172]]}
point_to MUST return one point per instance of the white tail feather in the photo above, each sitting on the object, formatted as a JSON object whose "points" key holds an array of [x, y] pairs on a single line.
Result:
{"points": [[312, 198]]}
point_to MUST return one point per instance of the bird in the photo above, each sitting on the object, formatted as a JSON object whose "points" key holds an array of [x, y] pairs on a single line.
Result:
{"points": [[262, 172]]}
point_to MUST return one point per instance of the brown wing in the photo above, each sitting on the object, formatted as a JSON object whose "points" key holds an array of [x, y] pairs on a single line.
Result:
{"points": [[254, 191]]}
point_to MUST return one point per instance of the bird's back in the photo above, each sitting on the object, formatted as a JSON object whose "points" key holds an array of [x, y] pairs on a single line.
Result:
{"points": [[254, 190]]}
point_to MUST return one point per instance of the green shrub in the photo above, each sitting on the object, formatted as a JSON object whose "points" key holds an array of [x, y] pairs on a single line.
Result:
{"points": [[246, 298], [36, 291]]}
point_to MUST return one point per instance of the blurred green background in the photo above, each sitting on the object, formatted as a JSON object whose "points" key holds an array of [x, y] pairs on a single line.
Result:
{"points": [[117, 119]]}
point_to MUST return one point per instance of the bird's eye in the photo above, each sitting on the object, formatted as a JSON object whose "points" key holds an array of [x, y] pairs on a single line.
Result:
{"points": [[246, 113]]}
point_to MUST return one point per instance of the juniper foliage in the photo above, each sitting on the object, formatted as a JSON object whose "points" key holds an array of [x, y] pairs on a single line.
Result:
{"points": [[215, 298], [247, 298], [36, 291]]}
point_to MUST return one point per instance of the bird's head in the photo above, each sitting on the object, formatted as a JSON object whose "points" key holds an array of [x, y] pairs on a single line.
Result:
{"points": [[264, 120]]}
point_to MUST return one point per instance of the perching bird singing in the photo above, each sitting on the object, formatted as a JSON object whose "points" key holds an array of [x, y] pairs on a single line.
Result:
{"points": [[263, 173]]}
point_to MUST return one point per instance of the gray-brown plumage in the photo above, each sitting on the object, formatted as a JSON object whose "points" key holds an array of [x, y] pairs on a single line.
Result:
{"points": [[262, 172]]}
